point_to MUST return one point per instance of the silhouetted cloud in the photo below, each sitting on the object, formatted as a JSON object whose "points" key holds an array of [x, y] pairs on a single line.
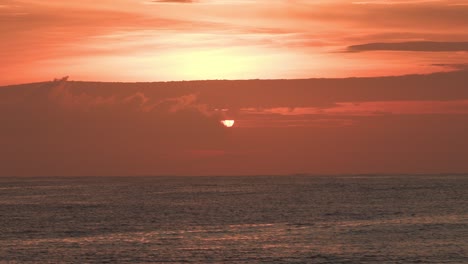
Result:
{"points": [[361, 124], [454, 66], [428, 46], [65, 121], [344, 109]]}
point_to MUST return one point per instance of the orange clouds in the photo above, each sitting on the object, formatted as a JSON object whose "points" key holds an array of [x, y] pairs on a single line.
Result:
{"points": [[371, 108], [127, 40]]}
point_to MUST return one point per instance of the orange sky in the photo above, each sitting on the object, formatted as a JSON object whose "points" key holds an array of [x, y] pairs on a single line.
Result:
{"points": [[413, 122], [144, 40]]}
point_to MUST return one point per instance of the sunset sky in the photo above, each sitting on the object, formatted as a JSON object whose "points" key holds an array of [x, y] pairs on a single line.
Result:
{"points": [[144, 40], [315, 87]]}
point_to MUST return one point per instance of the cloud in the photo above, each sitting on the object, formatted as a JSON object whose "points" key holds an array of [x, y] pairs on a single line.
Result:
{"points": [[393, 2], [62, 125], [174, 1], [370, 109], [453, 66], [93, 128], [263, 34], [426, 46], [63, 95], [268, 121]]}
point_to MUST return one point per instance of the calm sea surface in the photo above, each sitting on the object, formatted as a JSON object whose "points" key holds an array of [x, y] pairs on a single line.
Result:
{"points": [[349, 219]]}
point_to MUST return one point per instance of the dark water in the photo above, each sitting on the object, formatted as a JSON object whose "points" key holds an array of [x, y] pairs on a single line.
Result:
{"points": [[368, 219]]}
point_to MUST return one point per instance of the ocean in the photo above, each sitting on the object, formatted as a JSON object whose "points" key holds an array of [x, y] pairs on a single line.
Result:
{"points": [[249, 219]]}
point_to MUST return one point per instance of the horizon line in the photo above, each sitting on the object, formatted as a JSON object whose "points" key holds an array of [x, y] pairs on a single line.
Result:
{"points": [[253, 175], [257, 79]]}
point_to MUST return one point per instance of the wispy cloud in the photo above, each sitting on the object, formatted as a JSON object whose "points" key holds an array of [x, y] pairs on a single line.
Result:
{"points": [[174, 1], [344, 109], [427, 46], [166, 40]]}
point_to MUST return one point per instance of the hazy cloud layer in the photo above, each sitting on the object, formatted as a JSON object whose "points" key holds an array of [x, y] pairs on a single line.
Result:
{"points": [[355, 125]]}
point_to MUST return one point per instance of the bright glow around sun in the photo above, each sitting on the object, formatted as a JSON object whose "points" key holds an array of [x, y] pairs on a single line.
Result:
{"points": [[227, 123]]}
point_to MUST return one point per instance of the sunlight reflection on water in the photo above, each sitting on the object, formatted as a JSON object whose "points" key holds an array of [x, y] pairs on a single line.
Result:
{"points": [[275, 220]]}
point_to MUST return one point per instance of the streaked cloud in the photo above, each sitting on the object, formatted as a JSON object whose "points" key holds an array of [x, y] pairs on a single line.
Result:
{"points": [[167, 40], [370, 109], [426, 46]]}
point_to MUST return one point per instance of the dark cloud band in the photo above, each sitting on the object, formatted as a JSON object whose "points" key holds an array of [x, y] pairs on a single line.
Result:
{"points": [[427, 46]]}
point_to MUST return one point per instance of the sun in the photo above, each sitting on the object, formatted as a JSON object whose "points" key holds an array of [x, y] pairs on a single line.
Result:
{"points": [[227, 123]]}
